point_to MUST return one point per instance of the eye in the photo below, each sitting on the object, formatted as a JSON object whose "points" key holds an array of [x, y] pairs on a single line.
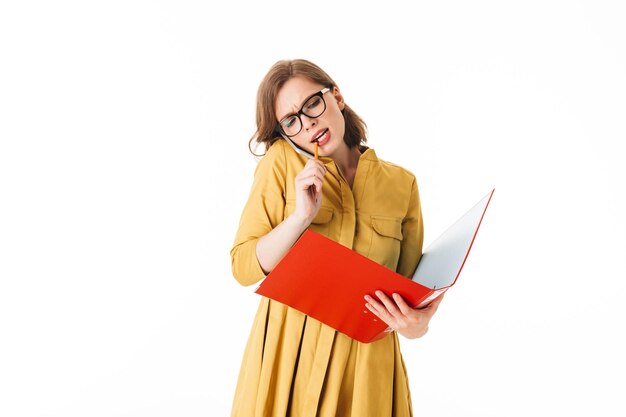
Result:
{"points": [[314, 102], [288, 121]]}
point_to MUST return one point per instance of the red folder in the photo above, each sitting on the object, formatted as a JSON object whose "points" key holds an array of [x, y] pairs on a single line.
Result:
{"points": [[327, 281]]}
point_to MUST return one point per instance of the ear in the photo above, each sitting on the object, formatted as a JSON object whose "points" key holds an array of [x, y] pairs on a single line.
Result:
{"points": [[339, 98]]}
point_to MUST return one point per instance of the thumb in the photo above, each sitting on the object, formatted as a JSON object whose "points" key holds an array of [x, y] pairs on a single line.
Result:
{"points": [[435, 303]]}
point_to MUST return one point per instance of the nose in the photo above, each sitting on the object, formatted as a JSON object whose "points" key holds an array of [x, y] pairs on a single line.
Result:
{"points": [[308, 122]]}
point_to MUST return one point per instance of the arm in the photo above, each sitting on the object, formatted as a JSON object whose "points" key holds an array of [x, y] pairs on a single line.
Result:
{"points": [[264, 210], [271, 248], [308, 185], [264, 237], [412, 235]]}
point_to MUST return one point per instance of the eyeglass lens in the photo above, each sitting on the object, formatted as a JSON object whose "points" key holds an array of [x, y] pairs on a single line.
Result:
{"points": [[314, 107]]}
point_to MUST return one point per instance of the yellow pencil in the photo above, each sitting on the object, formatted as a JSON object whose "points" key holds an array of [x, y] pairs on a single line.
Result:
{"points": [[316, 157]]}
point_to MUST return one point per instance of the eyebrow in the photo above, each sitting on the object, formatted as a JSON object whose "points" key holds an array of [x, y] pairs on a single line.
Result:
{"points": [[300, 108]]}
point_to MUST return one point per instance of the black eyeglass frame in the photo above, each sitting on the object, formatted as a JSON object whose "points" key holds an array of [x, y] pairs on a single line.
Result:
{"points": [[319, 94]]}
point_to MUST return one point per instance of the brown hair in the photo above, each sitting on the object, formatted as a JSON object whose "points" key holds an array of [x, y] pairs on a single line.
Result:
{"points": [[266, 132]]}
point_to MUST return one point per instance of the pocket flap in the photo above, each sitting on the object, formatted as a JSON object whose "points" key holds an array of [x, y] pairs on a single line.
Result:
{"points": [[389, 227], [323, 216]]}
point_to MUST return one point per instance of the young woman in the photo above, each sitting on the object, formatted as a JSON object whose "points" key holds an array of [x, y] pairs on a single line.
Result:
{"points": [[294, 365]]}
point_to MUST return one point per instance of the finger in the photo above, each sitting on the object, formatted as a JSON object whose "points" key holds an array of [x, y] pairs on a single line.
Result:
{"points": [[380, 307], [374, 302], [312, 168], [318, 185], [319, 176], [310, 192], [312, 180], [319, 165], [313, 164], [306, 181], [318, 172], [390, 305], [376, 313], [402, 305], [379, 310], [304, 184], [315, 173], [434, 305], [373, 309]]}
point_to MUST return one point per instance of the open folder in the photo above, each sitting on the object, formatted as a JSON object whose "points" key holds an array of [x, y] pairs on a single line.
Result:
{"points": [[327, 281]]}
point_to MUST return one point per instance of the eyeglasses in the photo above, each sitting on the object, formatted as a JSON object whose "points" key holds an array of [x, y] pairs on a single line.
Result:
{"points": [[313, 107]]}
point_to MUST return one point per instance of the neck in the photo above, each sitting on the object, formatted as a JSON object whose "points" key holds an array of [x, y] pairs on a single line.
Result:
{"points": [[347, 160]]}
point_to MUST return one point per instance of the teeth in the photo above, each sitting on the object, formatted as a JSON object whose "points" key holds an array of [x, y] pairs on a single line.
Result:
{"points": [[320, 135]]}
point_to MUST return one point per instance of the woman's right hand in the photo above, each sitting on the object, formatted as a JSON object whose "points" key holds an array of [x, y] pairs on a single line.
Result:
{"points": [[272, 247], [309, 190]]}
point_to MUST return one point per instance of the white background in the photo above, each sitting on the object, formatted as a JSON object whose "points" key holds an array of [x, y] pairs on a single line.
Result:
{"points": [[124, 168]]}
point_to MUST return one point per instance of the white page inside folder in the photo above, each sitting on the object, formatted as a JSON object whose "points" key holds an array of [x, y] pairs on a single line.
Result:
{"points": [[443, 259]]}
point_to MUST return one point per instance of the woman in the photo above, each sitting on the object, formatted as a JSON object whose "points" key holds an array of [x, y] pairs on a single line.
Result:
{"points": [[294, 365]]}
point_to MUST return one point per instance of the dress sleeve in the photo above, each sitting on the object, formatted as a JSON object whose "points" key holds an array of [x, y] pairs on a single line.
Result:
{"points": [[412, 235], [263, 211]]}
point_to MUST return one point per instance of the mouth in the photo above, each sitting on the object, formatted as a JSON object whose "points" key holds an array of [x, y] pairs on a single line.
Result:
{"points": [[320, 136]]}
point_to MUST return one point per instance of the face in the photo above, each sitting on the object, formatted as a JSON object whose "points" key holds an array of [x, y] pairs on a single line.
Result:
{"points": [[328, 128]]}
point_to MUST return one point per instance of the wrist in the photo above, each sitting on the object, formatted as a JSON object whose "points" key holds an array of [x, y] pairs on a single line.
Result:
{"points": [[300, 220]]}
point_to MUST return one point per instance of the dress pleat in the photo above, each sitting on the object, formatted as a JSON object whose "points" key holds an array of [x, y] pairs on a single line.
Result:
{"points": [[293, 365]]}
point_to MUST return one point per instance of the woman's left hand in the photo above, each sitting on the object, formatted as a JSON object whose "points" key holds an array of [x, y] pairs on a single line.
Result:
{"points": [[409, 322]]}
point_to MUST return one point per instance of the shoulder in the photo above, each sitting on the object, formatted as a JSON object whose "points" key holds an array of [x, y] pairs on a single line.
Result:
{"points": [[389, 170], [276, 152], [274, 159], [281, 152], [279, 163]]}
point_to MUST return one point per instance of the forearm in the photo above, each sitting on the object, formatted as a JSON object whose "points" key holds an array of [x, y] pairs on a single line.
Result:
{"points": [[272, 247]]}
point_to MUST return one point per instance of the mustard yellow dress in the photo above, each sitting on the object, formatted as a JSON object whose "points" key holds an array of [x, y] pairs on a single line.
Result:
{"points": [[294, 365]]}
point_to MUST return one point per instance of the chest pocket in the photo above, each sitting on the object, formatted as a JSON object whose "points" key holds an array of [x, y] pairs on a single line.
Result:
{"points": [[386, 240], [321, 222]]}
